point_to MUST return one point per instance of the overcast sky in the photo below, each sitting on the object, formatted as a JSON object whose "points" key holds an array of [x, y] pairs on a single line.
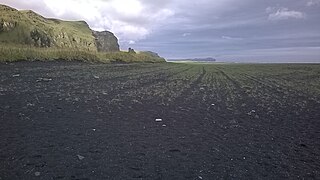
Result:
{"points": [[228, 30]]}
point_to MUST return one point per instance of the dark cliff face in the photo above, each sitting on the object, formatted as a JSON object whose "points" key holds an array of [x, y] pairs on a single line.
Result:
{"points": [[106, 41]]}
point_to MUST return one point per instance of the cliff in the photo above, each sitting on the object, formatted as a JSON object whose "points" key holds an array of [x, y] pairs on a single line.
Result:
{"points": [[106, 41], [31, 29], [26, 35]]}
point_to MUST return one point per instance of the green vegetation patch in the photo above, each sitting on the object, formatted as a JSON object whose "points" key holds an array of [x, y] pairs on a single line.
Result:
{"points": [[14, 53]]}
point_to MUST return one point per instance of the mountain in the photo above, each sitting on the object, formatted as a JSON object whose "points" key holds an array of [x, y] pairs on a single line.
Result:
{"points": [[209, 59], [26, 35]]}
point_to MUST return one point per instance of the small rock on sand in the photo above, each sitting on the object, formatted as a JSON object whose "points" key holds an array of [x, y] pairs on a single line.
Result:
{"points": [[80, 157], [43, 79], [37, 173], [158, 120]]}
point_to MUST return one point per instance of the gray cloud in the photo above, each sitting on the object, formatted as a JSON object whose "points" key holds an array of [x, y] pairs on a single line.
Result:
{"points": [[283, 14], [231, 38], [313, 2], [235, 30]]}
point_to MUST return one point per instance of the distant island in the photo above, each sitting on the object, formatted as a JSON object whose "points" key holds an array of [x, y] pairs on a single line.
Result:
{"points": [[26, 35], [208, 59]]}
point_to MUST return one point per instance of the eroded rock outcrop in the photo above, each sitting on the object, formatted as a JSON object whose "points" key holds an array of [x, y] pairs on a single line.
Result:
{"points": [[7, 26], [130, 50], [40, 39], [106, 41]]}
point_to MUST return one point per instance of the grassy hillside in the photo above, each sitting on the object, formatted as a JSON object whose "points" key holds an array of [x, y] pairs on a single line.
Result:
{"points": [[26, 35], [29, 28]]}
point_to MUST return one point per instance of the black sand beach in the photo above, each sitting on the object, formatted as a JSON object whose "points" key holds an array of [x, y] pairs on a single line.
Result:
{"points": [[72, 120]]}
